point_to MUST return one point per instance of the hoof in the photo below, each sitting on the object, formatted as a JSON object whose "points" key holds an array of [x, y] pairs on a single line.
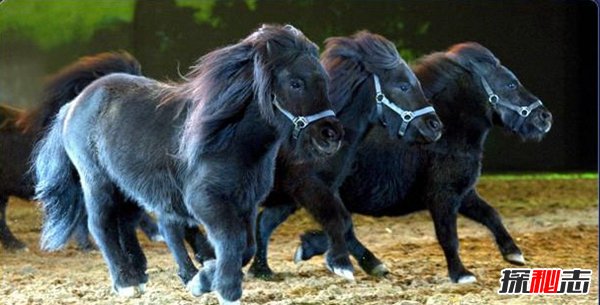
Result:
{"points": [[193, 286], [157, 238], [225, 302], [298, 255], [15, 246], [131, 291], [263, 272], [515, 258], [466, 279], [345, 273], [379, 271]]}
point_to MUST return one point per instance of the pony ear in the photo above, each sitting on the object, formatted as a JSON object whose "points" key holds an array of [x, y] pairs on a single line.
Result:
{"points": [[263, 88]]}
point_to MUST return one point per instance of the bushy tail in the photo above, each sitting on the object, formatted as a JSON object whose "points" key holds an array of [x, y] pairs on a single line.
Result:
{"points": [[57, 182], [57, 187]]}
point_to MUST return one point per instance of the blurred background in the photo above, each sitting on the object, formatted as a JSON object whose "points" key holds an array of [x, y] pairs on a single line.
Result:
{"points": [[551, 46]]}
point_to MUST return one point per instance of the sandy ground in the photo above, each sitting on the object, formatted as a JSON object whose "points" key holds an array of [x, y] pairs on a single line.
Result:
{"points": [[555, 222]]}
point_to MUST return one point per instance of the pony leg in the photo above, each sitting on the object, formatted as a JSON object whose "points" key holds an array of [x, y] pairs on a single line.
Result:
{"points": [[444, 216], [82, 236], [329, 211], [8, 240], [103, 222], [174, 237], [229, 230], [477, 209], [149, 227], [268, 220], [129, 216], [313, 243], [203, 251]]}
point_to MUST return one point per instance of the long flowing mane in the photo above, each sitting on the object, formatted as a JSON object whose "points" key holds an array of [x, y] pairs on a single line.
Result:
{"points": [[71, 80], [351, 60], [224, 82]]}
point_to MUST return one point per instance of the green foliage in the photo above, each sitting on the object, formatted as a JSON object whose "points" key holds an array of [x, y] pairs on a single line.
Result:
{"points": [[204, 9], [53, 23]]}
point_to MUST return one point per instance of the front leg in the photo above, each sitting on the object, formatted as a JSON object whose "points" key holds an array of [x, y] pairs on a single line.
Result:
{"points": [[443, 209], [313, 243], [329, 211], [475, 208]]}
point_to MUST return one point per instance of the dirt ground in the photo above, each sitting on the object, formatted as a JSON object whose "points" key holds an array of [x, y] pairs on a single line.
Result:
{"points": [[555, 222]]}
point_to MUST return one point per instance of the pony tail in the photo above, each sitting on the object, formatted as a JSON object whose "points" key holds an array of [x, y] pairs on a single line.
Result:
{"points": [[57, 188]]}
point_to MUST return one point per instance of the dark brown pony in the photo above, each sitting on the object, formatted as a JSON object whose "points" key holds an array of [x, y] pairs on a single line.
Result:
{"points": [[19, 130]]}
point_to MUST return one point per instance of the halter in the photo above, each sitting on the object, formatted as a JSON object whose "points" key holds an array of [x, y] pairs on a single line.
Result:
{"points": [[406, 115], [523, 111], [301, 122]]}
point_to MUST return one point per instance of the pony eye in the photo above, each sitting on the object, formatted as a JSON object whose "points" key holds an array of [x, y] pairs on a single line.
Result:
{"points": [[512, 85], [404, 87], [295, 84]]}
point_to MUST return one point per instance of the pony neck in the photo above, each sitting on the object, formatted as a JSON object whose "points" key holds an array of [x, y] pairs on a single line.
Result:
{"points": [[459, 106]]}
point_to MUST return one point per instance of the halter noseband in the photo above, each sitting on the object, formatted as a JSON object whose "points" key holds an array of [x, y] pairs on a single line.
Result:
{"points": [[301, 122], [523, 111], [406, 115]]}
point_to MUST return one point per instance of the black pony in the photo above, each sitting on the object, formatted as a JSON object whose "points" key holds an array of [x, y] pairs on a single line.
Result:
{"points": [[199, 152], [471, 92], [19, 130], [365, 70]]}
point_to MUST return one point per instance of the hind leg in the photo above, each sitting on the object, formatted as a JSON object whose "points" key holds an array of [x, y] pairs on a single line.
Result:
{"points": [[268, 220], [174, 234], [8, 240], [149, 227], [475, 208], [129, 216], [103, 222], [203, 251], [82, 236]]}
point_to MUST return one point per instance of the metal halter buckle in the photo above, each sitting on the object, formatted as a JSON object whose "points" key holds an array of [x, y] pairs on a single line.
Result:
{"points": [[524, 112], [300, 122]]}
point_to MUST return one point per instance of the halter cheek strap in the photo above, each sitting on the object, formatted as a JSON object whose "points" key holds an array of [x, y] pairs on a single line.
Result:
{"points": [[523, 111], [301, 122], [406, 115]]}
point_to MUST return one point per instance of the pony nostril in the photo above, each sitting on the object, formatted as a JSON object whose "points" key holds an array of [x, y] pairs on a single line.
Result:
{"points": [[545, 115], [329, 134], [434, 124]]}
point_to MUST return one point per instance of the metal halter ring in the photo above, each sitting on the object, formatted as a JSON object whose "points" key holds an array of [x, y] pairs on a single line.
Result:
{"points": [[379, 97], [300, 122], [524, 112], [493, 99], [408, 116]]}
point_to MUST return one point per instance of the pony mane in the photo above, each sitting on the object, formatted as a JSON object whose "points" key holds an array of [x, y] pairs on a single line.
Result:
{"points": [[473, 56], [224, 82], [61, 87], [351, 60], [439, 70]]}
